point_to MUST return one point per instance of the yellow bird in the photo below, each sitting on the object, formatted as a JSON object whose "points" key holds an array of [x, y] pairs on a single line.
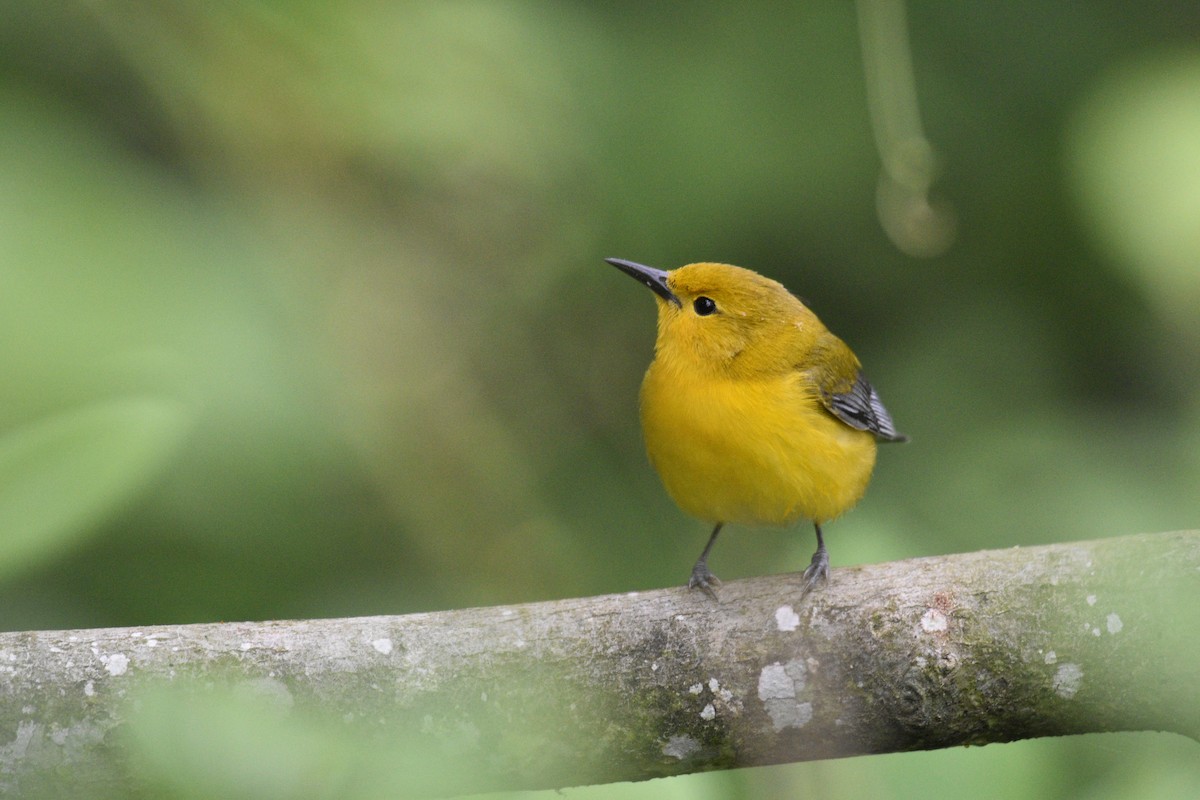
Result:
{"points": [[752, 411]]}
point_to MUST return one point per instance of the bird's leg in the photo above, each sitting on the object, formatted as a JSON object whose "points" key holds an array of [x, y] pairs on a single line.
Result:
{"points": [[818, 568], [701, 578]]}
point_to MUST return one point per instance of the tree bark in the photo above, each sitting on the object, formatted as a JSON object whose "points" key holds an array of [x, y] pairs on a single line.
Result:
{"points": [[933, 652]]}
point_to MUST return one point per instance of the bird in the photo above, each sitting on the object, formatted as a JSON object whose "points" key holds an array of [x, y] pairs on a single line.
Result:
{"points": [[752, 412]]}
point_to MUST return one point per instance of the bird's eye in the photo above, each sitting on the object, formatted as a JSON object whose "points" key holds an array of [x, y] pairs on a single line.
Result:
{"points": [[704, 306]]}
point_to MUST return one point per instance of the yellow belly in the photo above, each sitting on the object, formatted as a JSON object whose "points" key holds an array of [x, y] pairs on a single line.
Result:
{"points": [[752, 452]]}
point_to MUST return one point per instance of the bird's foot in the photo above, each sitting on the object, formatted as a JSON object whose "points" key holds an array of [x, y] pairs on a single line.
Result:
{"points": [[817, 572], [704, 580]]}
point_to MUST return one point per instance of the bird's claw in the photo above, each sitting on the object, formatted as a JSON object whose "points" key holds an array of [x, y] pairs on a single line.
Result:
{"points": [[704, 580], [817, 571]]}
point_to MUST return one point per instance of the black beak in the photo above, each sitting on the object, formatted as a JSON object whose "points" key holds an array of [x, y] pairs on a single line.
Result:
{"points": [[656, 279]]}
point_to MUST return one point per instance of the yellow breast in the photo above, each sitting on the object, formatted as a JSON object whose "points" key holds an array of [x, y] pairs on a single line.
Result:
{"points": [[751, 451]]}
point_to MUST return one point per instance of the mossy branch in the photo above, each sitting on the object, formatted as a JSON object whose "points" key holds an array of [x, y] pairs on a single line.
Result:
{"points": [[934, 652]]}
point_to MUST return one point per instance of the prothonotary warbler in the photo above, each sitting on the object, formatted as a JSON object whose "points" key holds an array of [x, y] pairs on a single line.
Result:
{"points": [[752, 411]]}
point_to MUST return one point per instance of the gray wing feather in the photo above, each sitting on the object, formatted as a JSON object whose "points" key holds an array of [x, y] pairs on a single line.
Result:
{"points": [[861, 408]]}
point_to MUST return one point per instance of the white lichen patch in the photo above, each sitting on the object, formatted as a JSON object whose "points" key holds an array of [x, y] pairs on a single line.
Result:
{"points": [[708, 712], [116, 664], [786, 618], [1114, 623], [1067, 680], [714, 685], [696, 688], [1095, 632], [89, 689], [680, 747], [1051, 657], [1091, 599], [779, 689], [383, 646], [934, 620]]}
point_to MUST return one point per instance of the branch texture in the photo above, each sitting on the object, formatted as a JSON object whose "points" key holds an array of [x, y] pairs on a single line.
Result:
{"points": [[934, 652]]}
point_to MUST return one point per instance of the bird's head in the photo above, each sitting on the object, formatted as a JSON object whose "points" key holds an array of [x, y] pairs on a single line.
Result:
{"points": [[726, 320]]}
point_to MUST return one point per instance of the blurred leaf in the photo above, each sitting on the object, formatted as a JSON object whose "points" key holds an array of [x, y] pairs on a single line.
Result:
{"points": [[207, 738], [1135, 161], [61, 476], [235, 744]]}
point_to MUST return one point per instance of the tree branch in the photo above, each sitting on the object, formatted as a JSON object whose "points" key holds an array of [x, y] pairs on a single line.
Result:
{"points": [[934, 652]]}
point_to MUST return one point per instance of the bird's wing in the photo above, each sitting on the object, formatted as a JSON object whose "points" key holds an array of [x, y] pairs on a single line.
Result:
{"points": [[848, 395], [860, 407]]}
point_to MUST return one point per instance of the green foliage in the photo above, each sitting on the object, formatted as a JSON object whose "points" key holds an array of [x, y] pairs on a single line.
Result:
{"points": [[59, 478], [303, 311]]}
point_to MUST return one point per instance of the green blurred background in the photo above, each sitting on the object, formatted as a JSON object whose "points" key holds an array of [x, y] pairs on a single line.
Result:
{"points": [[303, 311]]}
